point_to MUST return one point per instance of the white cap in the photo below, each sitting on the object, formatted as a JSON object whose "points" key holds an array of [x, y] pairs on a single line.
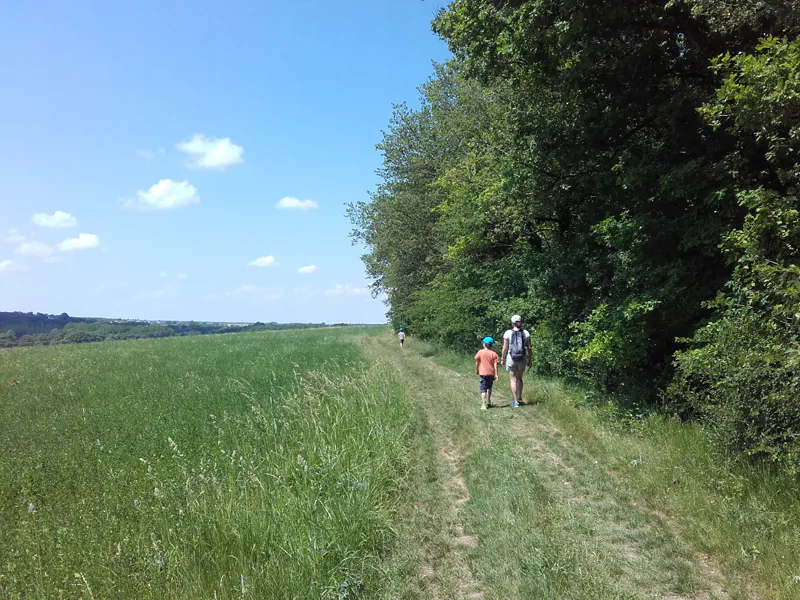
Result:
{"points": [[516, 318]]}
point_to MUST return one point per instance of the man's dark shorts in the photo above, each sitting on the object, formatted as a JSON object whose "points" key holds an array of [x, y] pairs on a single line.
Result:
{"points": [[486, 382]]}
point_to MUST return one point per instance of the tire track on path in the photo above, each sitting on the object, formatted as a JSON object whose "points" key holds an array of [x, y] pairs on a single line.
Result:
{"points": [[445, 572]]}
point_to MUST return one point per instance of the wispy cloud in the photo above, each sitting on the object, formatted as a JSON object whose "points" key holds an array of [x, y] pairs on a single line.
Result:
{"points": [[149, 155], [9, 266], [348, 289], [307, 269], [165, 195], [166, 291], [13, 236], [181, 276], [255, 292], [34, 248], [289, 203], [264, 261], [84, 241], [58, 220], [211, 153]]}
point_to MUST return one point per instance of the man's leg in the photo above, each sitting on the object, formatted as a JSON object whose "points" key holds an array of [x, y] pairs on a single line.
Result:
{"points": [[512, 377], [519, 386]]}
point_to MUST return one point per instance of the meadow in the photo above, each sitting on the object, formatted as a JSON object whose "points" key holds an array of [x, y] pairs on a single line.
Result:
{"points": [[261, 465]]}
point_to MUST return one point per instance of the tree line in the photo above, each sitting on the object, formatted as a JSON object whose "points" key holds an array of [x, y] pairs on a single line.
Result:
{"points": [[39, 329], [625, 175]]}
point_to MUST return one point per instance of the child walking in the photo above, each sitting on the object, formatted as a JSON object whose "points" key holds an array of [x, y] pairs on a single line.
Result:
{"points": [[486, 367]]}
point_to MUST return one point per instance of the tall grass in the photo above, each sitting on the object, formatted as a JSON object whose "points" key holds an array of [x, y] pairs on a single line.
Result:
{"points": [[745, 516], [247, 466]]}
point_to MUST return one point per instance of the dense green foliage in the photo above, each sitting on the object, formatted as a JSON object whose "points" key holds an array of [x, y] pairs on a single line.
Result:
{"points": [[607, 171], [38, 329], [744, 369], [198, 467]]}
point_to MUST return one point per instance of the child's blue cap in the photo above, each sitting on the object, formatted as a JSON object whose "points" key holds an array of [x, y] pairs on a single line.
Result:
{"points": [[488, 340]]}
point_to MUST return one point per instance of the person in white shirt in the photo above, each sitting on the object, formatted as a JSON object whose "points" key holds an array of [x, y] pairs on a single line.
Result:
{"points": [[401, 335], [516, 357]]}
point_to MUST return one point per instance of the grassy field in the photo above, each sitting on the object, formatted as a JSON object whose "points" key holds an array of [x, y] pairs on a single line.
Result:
{"points": [[603, 503], [250, 466], [333, 464]]}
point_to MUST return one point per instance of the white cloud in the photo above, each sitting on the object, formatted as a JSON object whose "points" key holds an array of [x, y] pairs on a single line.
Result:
{"points": [[34, 248], [181, 275], [289, 203], [307, 269], [84, 241], [9, 266], [164, 274], [264, 261], [211, 153], [165, 195], [58, 220], [339, 289]]}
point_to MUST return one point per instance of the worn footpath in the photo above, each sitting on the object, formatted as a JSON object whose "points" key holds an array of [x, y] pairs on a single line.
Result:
{"points": [[511, 507]]}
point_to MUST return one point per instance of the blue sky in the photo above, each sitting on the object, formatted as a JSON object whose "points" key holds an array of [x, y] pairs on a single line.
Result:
{"points": [[184, 160]]}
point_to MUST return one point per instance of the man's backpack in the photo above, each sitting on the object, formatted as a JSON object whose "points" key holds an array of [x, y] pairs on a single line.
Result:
{"points": [[517, 345]]}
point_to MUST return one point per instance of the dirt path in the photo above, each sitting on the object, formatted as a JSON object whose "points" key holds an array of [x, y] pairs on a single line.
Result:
{"points": [[526, 512]]}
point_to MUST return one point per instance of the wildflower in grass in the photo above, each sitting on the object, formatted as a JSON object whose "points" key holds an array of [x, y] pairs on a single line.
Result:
{"points": [[31, 508]]}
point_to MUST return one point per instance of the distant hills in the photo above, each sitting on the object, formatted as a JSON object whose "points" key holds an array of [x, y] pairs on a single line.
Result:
{"points": [[40, 329]]}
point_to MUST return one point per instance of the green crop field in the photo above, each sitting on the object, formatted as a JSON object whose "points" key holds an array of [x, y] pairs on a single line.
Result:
{"points": [[261, 465]]}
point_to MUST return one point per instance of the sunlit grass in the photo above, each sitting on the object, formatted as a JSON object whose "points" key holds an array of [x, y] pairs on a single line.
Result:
{"points": [[651, 486], [251, 465]]}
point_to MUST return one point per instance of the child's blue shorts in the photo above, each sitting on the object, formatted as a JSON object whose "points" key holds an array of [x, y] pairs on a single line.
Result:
{"points": [[486, 382]]}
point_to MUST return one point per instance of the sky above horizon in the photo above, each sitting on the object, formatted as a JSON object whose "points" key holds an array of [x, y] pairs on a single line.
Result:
{"points": [[192, 161]]}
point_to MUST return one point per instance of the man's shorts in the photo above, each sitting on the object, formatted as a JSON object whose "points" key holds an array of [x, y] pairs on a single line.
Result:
{"points": [[486, 382], [517, 366]]}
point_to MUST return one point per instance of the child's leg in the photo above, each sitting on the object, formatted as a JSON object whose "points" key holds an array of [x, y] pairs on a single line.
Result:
{"points": [[483, 398], [488, 397]]}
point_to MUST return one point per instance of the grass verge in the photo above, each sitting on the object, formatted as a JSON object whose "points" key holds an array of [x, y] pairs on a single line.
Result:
{"points": [[577, 500]]}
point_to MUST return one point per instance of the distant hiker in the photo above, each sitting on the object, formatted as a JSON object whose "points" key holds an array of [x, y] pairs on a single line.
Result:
{"points": [[516, 357], [486, 368], [401, 335]]}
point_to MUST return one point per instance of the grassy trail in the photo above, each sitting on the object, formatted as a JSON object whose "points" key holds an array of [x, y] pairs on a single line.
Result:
{"points": [[530, 506]]}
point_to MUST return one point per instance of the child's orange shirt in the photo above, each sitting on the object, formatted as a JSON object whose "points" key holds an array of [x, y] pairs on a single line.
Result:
{"points": [[486, 360]]}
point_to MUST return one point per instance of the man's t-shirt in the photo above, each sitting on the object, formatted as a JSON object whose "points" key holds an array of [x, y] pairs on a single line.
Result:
{"points": [[486, 361], [401, 335], [507, 336]]}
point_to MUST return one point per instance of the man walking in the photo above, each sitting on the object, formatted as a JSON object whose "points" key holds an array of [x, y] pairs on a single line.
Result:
{"points": [[516, 357]]}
